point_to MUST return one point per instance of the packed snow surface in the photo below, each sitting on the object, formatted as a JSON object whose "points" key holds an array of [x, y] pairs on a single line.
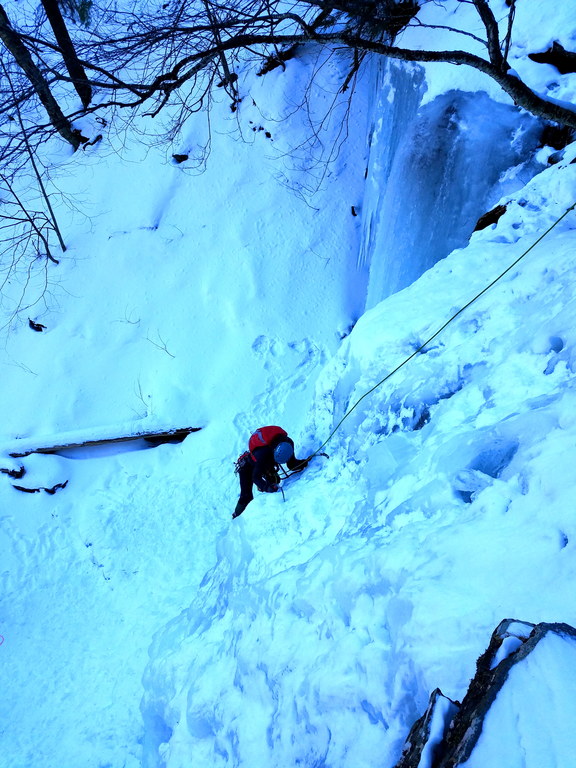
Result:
{"points": [[139, 624]]}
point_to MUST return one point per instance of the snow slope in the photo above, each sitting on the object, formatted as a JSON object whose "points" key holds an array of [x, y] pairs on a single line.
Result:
{"points": [[339, 611], [138, 624]]}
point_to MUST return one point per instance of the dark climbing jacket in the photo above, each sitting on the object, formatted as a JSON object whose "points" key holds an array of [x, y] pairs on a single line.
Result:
{"points": [[259, 459], [258, 466]]}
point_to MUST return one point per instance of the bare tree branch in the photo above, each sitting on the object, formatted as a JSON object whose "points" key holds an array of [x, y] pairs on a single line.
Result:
{"points": [[76, 70], [508, 38], [14, 44], [181, 53], [492, 38]]}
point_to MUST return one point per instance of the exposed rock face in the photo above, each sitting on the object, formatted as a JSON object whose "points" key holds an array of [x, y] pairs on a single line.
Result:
{"points": [[556, 136], [425, 741], [557, 56], [491, 217], [448, 735]]}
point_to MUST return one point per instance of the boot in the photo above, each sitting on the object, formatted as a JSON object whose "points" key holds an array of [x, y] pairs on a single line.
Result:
{"points": [[240, 507]]}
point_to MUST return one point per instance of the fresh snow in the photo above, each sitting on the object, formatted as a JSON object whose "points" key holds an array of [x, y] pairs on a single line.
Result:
{"points": [[139, 624]]}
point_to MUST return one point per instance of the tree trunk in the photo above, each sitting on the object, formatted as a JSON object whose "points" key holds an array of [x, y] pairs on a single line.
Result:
{"points": [[73, 65], [21, 54]]}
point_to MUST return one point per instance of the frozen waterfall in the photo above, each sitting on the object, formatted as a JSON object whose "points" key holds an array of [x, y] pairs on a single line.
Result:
{"points": [[433, 170]]}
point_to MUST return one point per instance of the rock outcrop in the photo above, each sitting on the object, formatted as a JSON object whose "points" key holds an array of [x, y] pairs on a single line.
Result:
{"points": [[524, 667]]}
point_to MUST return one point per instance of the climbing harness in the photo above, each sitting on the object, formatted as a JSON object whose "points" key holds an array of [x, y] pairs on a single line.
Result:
{"points": [[241, 462], [439, 331], [273, 476]]}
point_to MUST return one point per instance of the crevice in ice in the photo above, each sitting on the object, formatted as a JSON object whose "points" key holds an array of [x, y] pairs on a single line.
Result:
{"points": [[486, 466], [374, 715], [157, 732], [414, 411], [560, 354]]}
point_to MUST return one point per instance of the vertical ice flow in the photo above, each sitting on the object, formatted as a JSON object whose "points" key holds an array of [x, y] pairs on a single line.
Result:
{"points": [[434, 169]]}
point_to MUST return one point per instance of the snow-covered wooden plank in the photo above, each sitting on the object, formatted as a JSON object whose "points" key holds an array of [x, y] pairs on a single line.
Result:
{"points": [[62, 444]]}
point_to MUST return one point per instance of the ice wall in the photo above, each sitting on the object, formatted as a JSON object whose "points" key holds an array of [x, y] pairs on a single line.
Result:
{"points": [[433, 171]]}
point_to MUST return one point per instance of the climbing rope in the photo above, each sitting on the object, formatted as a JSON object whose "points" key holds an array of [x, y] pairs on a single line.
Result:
{"points": [[439, 331]]}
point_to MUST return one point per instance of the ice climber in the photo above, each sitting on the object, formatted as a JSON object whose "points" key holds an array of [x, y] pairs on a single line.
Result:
{"points": [[268, 447]]}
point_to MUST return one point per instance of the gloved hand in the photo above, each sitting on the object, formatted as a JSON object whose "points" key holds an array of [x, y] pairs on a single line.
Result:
{"points": [[271, 488]]}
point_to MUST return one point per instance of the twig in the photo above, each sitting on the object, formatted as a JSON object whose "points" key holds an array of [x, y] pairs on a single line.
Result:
{"points": [[162, 344], [53, 219]]}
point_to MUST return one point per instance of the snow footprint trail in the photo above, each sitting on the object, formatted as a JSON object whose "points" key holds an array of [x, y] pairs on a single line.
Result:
{"points": [[274, 660], [84, 590], [176, 712], [309, 642], [290, 370]]}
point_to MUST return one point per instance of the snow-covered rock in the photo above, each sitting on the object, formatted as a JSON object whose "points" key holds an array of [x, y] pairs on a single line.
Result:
{"points": [[519, 709]]}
